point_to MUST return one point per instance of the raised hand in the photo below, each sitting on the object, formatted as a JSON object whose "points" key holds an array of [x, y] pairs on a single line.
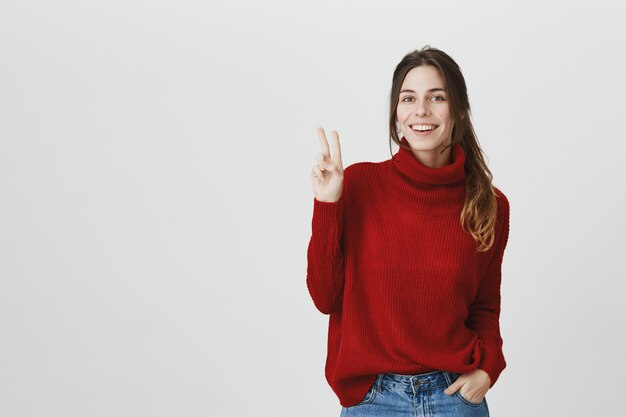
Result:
{"points": [[327, 174]]}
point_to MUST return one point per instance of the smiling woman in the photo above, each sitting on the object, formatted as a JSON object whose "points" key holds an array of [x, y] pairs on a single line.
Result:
{"points": [[414, 102], [405, 256]]}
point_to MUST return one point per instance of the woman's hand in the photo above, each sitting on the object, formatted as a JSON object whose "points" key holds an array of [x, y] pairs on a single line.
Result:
{"points": [[471, 385], [327, 174]]}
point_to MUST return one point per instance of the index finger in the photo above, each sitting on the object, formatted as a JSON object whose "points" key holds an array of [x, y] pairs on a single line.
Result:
{"points": [[336, 148]]}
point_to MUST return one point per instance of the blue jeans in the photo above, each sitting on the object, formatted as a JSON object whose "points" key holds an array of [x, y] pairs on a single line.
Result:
{"points": [[415, 396]]}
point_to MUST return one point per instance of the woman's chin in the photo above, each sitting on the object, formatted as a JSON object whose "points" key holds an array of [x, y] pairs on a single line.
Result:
{"points": [[421, 143]]}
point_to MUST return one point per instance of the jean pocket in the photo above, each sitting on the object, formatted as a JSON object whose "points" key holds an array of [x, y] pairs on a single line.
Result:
{"points": [[371, 394], [453, 376]]}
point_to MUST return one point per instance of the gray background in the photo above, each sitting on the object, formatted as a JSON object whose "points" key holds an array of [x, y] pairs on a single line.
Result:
{"points": [[155, 195]]}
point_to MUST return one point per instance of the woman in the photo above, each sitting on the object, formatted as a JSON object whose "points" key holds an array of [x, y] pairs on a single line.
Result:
{"points": [[405, 256]]}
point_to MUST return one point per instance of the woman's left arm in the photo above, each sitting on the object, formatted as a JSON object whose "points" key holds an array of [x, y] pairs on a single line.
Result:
{"points": [[484, 313]]}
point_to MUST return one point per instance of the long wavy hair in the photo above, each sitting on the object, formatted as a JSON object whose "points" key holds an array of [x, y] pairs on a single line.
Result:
{"points": [[478, 217]]}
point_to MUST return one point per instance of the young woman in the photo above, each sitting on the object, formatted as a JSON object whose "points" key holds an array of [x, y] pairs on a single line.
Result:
{"points": [[405, 256]]}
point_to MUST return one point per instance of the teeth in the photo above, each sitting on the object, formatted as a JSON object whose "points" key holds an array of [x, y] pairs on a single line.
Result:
{"points": [[423, 128]]}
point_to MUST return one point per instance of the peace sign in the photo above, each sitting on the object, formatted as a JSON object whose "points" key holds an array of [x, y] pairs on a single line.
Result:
{"points": [[327, 174]]}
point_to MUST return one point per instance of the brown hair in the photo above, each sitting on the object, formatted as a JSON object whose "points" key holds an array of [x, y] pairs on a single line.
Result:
{"points": [[479, 213]]}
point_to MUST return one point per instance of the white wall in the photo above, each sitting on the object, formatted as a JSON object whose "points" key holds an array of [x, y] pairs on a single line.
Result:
{"points": [[155, 196]]}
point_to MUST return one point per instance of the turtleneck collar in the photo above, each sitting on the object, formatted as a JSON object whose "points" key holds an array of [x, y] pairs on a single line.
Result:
{"points": [[409, 165]]}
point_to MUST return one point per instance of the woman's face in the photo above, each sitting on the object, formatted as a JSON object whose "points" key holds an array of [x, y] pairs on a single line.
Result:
{"points": [[424, 101]]}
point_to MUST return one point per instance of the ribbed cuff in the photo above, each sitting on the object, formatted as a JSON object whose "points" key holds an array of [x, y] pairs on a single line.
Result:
{"points": [[326, 214], [492, 362]]}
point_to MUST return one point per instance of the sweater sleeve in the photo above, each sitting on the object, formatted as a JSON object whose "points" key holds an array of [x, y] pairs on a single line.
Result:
{"points": [[325, 268], [484, 313]]}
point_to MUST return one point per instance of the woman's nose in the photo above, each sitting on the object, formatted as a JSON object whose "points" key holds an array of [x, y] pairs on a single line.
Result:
{"points": [[421, 109]]}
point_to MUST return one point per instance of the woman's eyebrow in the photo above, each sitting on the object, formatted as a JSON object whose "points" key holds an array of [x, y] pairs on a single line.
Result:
{"points": [[428, 91]]}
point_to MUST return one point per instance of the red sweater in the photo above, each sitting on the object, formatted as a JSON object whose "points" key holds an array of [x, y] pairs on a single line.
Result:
{"points": [[405, 290]]}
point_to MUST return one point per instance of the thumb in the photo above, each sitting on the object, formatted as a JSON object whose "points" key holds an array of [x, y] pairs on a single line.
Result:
{"points": [[452, 388]]}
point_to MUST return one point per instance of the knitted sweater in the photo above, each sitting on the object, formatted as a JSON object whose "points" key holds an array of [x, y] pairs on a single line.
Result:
{"points": [[404, 287]]}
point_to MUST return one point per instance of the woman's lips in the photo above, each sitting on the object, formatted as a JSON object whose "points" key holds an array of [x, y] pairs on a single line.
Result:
{"points": [[425, 133]]}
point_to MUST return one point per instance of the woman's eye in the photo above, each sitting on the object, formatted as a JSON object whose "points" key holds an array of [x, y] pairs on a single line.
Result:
{"points": [[434, 97]]}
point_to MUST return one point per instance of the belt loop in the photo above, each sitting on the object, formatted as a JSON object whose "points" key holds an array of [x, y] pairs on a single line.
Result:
{"points": [[379, 382]]}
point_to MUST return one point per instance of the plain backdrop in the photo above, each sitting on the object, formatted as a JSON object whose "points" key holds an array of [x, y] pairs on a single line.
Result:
{"points": [[156, 199]]}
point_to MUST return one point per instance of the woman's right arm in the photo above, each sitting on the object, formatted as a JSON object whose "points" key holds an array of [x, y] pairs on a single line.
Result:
{"points": [[325, 268]]}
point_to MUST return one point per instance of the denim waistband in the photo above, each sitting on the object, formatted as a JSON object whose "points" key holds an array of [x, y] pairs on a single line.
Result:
{"points": [[429, 380]]}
